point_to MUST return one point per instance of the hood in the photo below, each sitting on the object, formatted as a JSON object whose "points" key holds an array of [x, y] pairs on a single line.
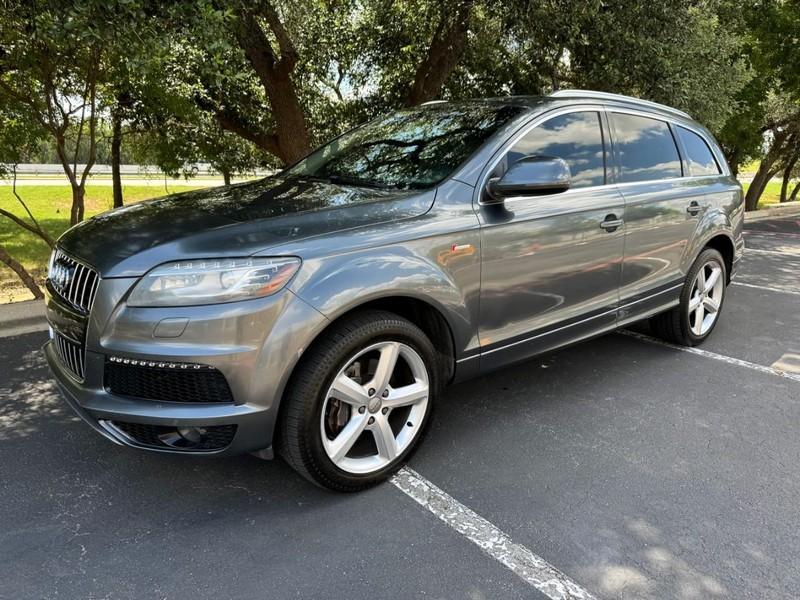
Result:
{"points": [[237, 220]]}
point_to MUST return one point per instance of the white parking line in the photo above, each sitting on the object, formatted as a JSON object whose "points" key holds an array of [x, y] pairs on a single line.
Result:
{"points": [[531, 568], [720, 357], [771, 233], [765, 287], [775, 252]]}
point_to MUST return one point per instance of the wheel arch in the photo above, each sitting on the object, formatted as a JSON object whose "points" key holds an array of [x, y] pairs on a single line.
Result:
{"points": [[722, 243], [422, 312]]}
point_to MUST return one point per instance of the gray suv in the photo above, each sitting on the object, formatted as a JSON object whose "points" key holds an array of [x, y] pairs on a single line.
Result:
{"points": [[319, 312]]}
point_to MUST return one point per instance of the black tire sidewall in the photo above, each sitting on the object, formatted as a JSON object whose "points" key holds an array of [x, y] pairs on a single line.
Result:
{"points": [[385, 327]]}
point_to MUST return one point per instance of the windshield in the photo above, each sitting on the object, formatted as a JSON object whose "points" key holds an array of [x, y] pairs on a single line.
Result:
{"points": [[407, 149]]}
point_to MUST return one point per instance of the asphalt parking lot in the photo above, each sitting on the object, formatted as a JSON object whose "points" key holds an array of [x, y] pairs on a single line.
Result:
{"points": [[637, 469]]}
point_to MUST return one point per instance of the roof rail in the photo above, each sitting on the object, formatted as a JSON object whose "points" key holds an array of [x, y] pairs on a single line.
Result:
{"points": [[429, 102], [619, 97]]}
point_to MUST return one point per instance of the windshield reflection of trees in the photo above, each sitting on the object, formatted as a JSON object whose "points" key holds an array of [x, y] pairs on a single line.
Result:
{"points": [[413, 148]]}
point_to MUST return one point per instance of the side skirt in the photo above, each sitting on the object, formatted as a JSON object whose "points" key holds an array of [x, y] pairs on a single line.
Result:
{"points": [[565, 335]]}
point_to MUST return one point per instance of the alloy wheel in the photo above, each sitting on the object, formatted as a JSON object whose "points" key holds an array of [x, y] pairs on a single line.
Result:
{"points": [[706, 298], [375, 407]]}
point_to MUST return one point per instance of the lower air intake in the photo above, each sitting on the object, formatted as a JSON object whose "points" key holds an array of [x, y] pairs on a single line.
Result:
{"points": [[185, 439], [166, 382]]}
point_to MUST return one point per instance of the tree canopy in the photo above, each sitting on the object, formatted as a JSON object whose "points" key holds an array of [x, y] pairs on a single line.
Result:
{"points": [[243, 85]]}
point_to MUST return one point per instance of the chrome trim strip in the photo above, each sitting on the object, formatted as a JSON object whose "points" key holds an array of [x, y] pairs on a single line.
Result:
{"points": [[602, 314], [541, 118], [529, 339], [461, 360], [651, 296], [71, 355]]}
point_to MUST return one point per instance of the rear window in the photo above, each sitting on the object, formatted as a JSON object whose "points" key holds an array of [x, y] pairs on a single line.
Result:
{"points": [[698, 154], [645, 148]]}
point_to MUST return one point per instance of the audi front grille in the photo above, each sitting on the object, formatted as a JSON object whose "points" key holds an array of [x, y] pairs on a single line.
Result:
{"points": [[73, 281]]}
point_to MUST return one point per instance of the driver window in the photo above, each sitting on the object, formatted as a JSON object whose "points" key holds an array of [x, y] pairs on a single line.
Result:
{"points": [[576, 137]]}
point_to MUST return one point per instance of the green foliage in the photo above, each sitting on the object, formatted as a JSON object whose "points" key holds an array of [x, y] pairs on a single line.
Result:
{"points": [[52, 205], [19, 138], [179, 79]]}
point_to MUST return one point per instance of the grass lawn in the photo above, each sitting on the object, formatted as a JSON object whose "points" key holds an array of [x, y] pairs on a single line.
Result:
{"points": [[771, 195], [50, 205]]}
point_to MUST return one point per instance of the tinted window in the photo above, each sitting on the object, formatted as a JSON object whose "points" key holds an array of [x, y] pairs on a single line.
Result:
{"points": [[575, 137], [698, 154], [412, 148], [645, 148]]}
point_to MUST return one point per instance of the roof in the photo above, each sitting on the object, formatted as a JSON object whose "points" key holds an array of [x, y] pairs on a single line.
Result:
{"points": [[534, 102]]}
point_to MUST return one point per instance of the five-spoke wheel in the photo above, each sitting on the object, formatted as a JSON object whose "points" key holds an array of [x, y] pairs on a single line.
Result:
{"points": [[374, 407], [359, 401], [706, 297], [700, 305]]}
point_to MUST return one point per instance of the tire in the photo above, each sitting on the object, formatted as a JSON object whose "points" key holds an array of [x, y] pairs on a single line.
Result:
{"points": [[679, 325], [316, 422]]}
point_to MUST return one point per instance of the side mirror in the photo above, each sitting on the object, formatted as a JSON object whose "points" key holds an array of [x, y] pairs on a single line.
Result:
{"points": [[530, 176]]}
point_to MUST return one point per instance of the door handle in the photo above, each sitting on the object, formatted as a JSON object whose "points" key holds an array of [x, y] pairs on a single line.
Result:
{"points": [[693, 208], [611, 223]]}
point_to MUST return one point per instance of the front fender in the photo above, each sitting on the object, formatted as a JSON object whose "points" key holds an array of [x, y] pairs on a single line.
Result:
{"points": [[337, 284]]}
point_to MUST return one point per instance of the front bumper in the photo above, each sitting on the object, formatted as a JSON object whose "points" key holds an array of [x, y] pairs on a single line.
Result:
{"points": [[100, 409], [254, 344]]}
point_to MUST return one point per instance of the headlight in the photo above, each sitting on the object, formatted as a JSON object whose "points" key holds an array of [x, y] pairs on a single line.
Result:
{"points": [[212, 281]]}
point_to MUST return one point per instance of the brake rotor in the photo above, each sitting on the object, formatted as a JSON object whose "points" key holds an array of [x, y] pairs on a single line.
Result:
{"points": [[339, 412]]}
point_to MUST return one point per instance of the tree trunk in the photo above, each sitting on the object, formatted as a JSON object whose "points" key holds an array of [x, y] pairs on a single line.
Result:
{"points": [[733, 161], [787, 176], [23, 274], [766, 171], [793, 195], [76, 213], [290, 141], [757, 186], [446, 49], [291, 129], [226, 176], [116, 147]]}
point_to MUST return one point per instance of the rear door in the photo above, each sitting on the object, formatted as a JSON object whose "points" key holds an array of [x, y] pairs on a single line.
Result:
{"points": [[662, 210], [550, 269]]}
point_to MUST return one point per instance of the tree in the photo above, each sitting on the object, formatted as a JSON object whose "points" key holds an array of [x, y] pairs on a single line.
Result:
{"points": [[176, 145], [266, 74], [51, 68], [447, 46], [768, 125], [17, 138], [55, 58], [781, 144]]}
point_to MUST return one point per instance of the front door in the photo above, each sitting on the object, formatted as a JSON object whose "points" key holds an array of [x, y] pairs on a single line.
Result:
{"points": [[551, 264]]}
